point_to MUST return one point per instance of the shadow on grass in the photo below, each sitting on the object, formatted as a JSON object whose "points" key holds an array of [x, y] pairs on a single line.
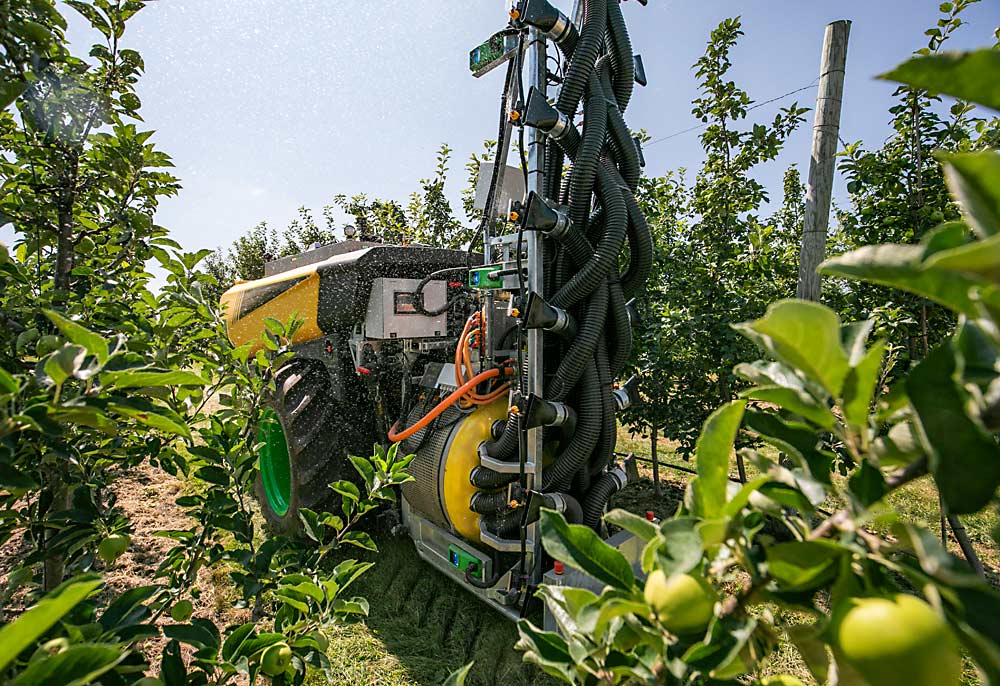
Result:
{"points": [[421, 627]]}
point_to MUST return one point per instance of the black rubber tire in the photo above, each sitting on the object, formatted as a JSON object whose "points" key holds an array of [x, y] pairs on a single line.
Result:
{"points": [[317, 457]]}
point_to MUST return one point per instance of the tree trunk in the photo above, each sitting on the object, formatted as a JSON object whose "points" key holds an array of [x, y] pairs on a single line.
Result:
{"points": [[656, 462], [963, 541], [54, 568], [741, 468], [55, 565], [64, 242], [822, 168]]}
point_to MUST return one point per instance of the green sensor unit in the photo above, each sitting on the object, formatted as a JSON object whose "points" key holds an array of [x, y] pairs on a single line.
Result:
{"points": [[491, 54], [461, 560], [481, 278]]}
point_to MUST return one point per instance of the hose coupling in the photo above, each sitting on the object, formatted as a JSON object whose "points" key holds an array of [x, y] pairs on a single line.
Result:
{"points": [[632, 309], [543, 16], [627, 394], [548, 413], [566, 505], [618, 474]]}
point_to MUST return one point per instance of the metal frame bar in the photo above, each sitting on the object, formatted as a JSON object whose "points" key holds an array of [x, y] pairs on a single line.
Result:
{"points": [[537, 77], [578, 13], [537, 67]]}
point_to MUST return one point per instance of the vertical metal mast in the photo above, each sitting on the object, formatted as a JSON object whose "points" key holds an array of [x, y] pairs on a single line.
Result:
{"points": [[537, 77]]}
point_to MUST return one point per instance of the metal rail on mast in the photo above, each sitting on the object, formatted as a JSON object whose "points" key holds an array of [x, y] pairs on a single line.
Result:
{"points": [[537, 65], [537, 77]]}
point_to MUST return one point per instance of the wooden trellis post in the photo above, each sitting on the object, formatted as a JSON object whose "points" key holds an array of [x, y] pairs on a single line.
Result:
{"points": [[822, 167]]}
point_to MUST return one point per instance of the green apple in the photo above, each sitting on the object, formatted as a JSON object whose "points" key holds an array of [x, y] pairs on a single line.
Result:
{"points": [[896, 641], [276, 659], [782, 680], [112, 547], [26, 338], [182, 611], [731, 670], [684, 604], [47, 344]]}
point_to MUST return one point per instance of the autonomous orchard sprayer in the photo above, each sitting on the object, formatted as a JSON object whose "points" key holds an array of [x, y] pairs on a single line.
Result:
{"points": [[497, 366]]}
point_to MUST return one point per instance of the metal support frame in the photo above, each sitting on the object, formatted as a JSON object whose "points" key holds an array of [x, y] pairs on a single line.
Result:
{"points": [[578, 13], [537, 77], [431, 539], [537, 68], [490, 216]]}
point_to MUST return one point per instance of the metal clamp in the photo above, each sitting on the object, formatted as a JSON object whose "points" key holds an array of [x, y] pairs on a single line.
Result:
{"points": [[504, 545], [561, 29], [560, 128]]}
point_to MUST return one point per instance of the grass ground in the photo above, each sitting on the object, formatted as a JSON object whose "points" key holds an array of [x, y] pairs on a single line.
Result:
{"points": [[422, 627]]}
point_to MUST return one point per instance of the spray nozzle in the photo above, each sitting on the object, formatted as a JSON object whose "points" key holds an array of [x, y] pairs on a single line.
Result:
{"points": [[640, 70], [547, 413], [539, 215], [632, 309], [627, 394], [638, 149], [543, 16], [541, 115], [538, 314]]}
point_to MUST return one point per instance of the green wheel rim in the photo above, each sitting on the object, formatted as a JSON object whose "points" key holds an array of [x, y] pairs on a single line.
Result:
{"points": [[275, 468]]}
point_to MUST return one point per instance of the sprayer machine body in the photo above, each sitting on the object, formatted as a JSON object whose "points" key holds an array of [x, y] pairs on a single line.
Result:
{"points": [[497, 368]]}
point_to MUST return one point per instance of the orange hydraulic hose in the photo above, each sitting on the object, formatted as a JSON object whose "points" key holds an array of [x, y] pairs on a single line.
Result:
{"points": [[463, 359], [482, 399], [460, 349], [455, 396], [465, 401]]}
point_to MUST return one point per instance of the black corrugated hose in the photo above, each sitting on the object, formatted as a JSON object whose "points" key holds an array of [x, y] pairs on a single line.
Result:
{"points": [[588, 157], [504, 524], [597, 499], [589, 408], [487, 479], [505, 447], [585, 279], [606, 254], [584, 56], [488, 503], [605, 449], [640, 241], [621, 56], [582, 350], [621, 328]]}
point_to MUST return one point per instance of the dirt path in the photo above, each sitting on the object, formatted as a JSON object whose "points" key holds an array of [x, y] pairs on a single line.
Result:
{"points": [[146, 496]]}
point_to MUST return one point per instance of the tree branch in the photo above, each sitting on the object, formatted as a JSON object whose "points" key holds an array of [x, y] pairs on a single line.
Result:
{"points": [[896, 480]]}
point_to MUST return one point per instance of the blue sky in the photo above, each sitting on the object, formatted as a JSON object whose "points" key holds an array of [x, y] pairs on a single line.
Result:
{"points": [[267, 105]]}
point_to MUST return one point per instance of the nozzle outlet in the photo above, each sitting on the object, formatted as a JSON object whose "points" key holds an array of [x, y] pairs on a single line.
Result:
{"points": [[538, 314], [539, 215], [627, 394], [543, 16], [547, 413], [539, 114]]}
